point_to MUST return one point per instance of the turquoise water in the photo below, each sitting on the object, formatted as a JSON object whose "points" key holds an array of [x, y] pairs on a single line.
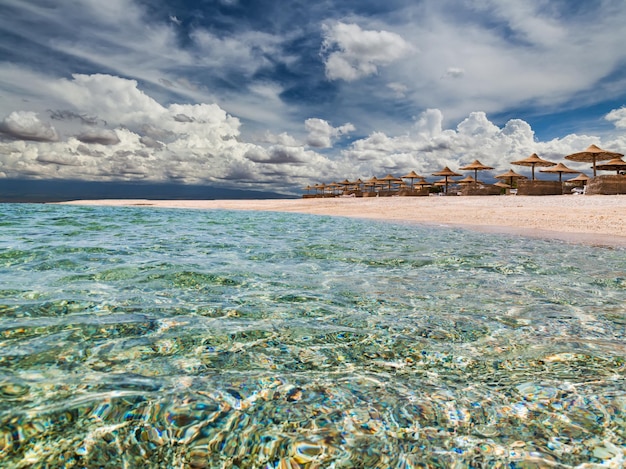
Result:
{"points": [[142, 337]]}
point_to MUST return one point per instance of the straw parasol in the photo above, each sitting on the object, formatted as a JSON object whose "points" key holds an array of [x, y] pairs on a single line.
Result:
{"points": [[372, 183], [390, 179], [503, 184], [532, 161], [412, 175], [616, 164], [510, 175], [475, 166], [582, 177], [466, 180], [593, 154], [559, 168], [446, 173], [333, 186]]}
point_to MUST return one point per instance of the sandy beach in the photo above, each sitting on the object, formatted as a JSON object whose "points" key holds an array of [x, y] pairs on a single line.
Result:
{"points": [[599, 219]]}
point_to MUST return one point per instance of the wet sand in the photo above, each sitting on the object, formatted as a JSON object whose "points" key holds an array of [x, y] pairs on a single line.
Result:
{"points": [[597, 219]]}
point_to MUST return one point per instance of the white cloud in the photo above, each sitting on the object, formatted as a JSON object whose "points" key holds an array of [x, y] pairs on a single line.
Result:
{"points": [[131, 136], [352, 53], [26, 125], [399, 89], [321, 134], [497, 55], [454, 72], [618, 117], [429, 123], [143, 139], [428, 147]]}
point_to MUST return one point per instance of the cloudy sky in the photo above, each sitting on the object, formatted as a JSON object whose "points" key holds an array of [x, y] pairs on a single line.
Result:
{"points": [[272, 95]]}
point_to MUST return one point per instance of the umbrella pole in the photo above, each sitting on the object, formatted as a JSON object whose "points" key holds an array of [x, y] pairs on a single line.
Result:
{"points": [[594, 166], [533, 172]]}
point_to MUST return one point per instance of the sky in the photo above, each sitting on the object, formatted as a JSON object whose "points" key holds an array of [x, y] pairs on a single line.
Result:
{"points": [[273, 96]]}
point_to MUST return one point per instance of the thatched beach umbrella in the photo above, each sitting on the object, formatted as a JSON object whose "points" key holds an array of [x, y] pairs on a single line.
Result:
{"points": [[446, 173], [389, 179], [593, 154], [532, 161], [582, 177], [412, 176], [616, 164], [503, 185], [332, 187], [559, 168], [466, 180], [475, 166], [510, 175], [372, 183]]}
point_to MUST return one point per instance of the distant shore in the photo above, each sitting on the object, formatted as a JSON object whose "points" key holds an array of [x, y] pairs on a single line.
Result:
{"points": [[598, 219]]}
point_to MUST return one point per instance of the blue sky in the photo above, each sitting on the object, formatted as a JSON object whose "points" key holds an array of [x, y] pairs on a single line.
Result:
{"points": [[273, 95]]}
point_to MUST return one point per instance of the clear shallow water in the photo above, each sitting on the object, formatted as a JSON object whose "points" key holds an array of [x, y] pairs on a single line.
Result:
{"points": [[138, 337]]}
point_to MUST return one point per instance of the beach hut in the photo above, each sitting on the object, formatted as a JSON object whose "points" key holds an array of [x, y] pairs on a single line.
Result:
{"points": [[475, 166], [532, 161], [559, 168], [593, 154]]}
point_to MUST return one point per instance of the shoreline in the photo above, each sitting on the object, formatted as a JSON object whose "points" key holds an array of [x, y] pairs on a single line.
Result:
{"points": [[593, 220]]}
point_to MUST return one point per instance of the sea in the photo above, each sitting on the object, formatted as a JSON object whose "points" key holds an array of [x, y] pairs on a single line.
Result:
{"points": [[168, 338]]}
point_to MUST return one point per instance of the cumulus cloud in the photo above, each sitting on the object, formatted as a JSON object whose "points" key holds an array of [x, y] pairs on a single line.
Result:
{"points": [[429, 147], [321, 134], [145, 140], [618, 117], [281, 139], [26, 125], [100, 136], [351, 53]]}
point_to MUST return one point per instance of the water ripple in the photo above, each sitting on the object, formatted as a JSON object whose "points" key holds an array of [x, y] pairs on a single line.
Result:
{"points": [[168, 338]]}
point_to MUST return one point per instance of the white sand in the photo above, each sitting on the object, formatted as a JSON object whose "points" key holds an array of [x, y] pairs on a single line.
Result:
{"points": [[597, 219]]}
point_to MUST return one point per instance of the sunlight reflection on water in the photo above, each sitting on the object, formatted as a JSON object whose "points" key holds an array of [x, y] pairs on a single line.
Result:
{"points": [[154, 337]]}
